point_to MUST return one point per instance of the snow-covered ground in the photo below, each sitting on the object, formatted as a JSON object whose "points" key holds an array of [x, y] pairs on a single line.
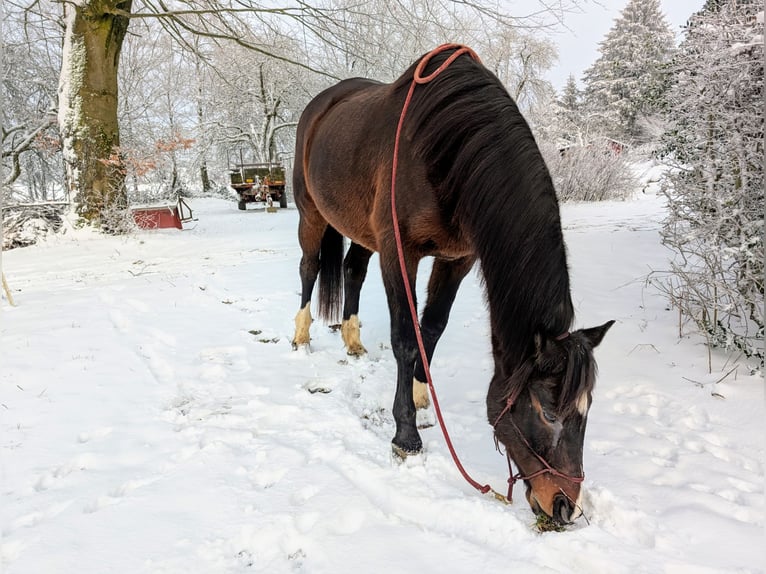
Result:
{"points": [[154, 418]]}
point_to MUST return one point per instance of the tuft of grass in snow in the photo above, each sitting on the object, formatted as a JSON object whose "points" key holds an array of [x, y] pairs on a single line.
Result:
{"points": [[544, 523]]}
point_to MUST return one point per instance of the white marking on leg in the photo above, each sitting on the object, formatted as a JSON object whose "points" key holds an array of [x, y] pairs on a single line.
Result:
{"points": [[349, 331], [302, 324], [420, 394]]}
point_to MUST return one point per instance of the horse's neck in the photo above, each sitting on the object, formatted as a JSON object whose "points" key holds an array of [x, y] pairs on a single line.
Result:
{"points": [[527, 280]]}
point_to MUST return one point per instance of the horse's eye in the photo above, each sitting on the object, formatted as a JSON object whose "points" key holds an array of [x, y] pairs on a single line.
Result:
{"points": [[548, 416]]}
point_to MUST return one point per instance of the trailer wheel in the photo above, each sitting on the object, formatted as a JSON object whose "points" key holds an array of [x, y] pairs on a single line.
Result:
{"points": [[242, 205], [283, 200]]}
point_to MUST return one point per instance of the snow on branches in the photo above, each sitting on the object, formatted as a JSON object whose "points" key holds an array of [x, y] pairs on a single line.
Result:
{"points": [[715, 193]]}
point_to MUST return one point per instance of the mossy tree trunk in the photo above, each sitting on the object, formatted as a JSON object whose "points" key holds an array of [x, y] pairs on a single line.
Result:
{"points": [[88, 124]]}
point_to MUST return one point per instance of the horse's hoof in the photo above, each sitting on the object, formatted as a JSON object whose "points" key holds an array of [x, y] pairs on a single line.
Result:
{"points": [[301, 347], [356, 351], [349, 330], [401, 453]]}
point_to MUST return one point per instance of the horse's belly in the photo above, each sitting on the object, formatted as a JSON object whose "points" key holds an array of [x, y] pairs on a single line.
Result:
{"points": [[350, 216], [343, 190], [360, 234]]}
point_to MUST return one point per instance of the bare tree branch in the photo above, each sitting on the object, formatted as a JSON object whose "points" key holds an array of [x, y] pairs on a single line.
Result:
{"points": [[15, 152]]}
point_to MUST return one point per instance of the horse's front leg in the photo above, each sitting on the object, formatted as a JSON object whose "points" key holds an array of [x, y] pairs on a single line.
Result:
{"points": [[354, 273], [443, 286], [407, 440]]}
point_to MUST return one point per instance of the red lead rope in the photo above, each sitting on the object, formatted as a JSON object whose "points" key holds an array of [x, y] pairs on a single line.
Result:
{"points": [[418, 78]]}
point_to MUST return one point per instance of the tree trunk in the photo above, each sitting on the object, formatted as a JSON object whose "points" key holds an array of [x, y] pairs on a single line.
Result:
{"points": [[203, 138], [88, 106], [205, 177]]}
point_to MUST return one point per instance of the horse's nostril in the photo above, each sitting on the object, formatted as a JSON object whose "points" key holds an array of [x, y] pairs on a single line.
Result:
{"points": [[562, 509]]}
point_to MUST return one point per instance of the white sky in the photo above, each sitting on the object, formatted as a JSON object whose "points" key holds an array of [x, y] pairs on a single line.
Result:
{"points": [[578, 46]]}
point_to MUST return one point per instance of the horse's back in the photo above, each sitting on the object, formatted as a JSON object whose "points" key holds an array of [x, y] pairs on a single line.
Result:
{"points": [[340, 147], [316, 111], [328, 97]]}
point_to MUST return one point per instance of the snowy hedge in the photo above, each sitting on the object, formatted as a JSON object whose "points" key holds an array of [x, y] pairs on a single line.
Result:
{"points": [[715, 194]]}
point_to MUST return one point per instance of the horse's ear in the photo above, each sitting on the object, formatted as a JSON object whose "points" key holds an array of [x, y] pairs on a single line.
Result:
{"points": [[596, 334], [549, 355]]}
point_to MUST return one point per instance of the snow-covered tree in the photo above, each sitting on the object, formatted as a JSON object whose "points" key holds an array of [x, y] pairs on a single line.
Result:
{"points": [[253, 103], [628, 79], [715, 195], [30, 155], [520, 60], [570, 116], [571, 97], [557, 119]]}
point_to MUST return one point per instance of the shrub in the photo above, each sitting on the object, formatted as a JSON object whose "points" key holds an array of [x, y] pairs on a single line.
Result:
{"points": [[590, 173]]}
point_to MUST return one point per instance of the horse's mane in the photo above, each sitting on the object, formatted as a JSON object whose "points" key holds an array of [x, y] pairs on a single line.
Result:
{"points": [[486, 167]]}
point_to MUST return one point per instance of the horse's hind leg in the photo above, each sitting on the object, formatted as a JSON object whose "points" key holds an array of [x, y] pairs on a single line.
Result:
{"points": [[310, 232], [443, 285], [354, 272]]}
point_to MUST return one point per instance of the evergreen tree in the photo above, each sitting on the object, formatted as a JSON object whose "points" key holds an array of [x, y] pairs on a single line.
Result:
{"points": [[571, 96], [628, 79], [715, 197], [569, 117]]}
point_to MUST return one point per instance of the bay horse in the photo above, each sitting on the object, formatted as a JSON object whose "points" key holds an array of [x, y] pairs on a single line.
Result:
{"points": [[471, 185]]}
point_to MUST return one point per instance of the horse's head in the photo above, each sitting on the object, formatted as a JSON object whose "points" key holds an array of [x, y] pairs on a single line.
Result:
{"points": [[540, 414]]}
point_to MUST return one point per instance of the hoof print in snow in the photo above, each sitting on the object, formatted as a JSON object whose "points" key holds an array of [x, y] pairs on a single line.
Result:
{"points": [[316, 387], [425, 419], [245, 557], [374, 416], [256, 332]]}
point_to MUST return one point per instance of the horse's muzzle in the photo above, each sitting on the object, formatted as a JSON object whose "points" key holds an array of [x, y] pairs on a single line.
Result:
{"points": [[563, 511]]}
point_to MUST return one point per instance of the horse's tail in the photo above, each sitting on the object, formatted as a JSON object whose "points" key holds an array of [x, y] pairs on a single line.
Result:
{"points": [[330, 275]]}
